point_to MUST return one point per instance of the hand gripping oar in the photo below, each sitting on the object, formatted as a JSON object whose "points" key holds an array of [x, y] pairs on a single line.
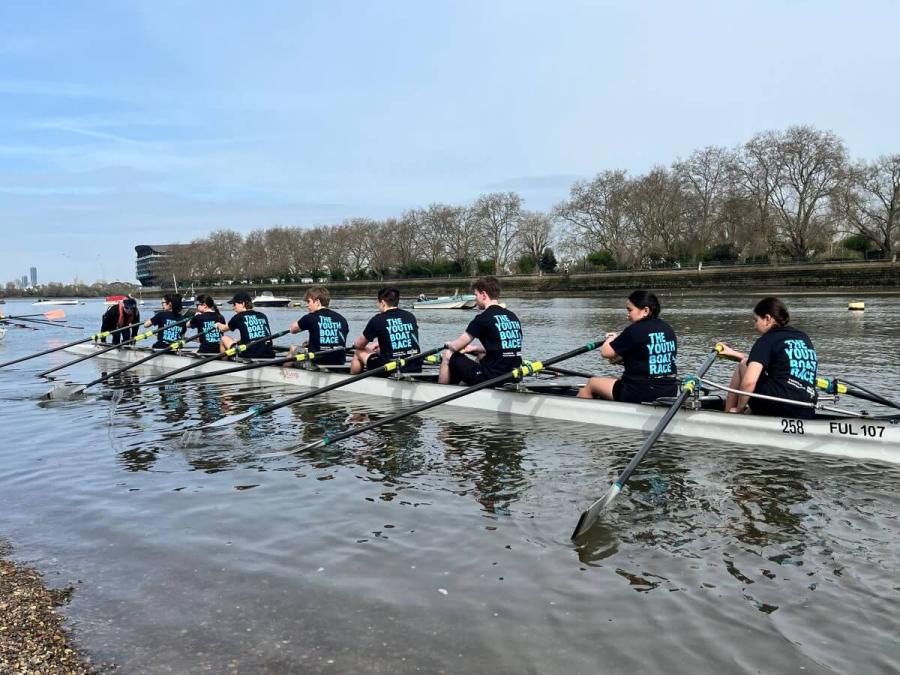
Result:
{"points": [[522, 371], [96, 336], [139, 336], [67, 391], [846, 387], [262, 410], [231, 351], [589, 517]]}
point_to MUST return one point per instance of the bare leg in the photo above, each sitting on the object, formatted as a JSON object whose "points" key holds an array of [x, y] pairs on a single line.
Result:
{"points": [[444, 373], [358, 362], [225, 343], [598, 387], [731, 400]]}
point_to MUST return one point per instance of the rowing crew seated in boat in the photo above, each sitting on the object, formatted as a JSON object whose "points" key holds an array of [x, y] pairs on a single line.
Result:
{"points": [[782, 363], [497, 329], [327, 329], [391, 334], [251, 325], [647, 348]]}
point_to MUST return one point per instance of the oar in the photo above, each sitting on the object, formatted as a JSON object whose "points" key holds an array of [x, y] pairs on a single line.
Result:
{"points": [[52, 315], [262, 410], [231, 351], [139, 336], [567, 371], [835, 386], [17, 324], [67, 391], [96, 336], [527, 368], [58, 324], [589, 517]]}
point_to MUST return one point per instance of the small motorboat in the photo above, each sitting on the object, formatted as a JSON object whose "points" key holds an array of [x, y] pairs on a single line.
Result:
{"points": [[268, 299], [445, 302], [46, 303]]}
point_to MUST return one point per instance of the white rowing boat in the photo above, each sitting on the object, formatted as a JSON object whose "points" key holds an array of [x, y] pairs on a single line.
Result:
{"points": [[861, 438], [47, 303], [445, 302]]}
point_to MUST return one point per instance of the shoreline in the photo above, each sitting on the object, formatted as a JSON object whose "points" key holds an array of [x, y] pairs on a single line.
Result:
{"points": [[33, 634]]}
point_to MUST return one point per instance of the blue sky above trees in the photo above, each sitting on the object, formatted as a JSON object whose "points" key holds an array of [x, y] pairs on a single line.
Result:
{"points": [[155, 122]]}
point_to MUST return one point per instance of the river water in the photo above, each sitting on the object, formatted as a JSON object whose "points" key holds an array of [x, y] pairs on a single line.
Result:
{"points": [[441, 543]]}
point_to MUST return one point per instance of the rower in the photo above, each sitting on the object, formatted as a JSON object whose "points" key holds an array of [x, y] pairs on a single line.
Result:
{"points": [[170, 319], [500, 334], [123, 313], [327, 329], [205, 321], [782, 363], [647, 347], [392, 333], [251, 325]]}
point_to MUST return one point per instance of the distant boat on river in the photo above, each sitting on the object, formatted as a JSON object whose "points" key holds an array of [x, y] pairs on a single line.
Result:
{"points": [[445, 302], [47, 303]]}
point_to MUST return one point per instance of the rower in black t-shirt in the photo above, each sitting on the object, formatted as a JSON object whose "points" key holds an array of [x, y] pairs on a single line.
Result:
{"points": [[169, 318], [251, 325], [392, 333], [204, 322], [782, 363], [327, 329], [647, 347], [500, 334]]}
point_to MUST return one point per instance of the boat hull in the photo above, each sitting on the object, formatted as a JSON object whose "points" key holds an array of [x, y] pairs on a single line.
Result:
{"points": [[868, 438], [47, 303], [271, 303], [450, 302]]}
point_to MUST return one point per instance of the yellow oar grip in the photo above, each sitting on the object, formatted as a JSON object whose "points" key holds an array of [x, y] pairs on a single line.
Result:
{"points": [[527, 368], [828, 386], [393, 365], [720, 347]]}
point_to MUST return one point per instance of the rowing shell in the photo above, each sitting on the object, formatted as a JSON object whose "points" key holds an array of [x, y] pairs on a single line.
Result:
{"points": [[861, 438]]}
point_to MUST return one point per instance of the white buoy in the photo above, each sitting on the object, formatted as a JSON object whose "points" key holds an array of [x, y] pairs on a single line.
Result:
{"points": [[856, 306]]}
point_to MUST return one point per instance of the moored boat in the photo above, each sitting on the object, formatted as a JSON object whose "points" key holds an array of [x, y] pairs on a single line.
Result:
{"points": [[268, 299], [873, 437], [445, 302], [47, 303], [113, 300]]}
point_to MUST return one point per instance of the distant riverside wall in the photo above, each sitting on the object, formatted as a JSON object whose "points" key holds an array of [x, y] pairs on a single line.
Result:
{"points": [[871, 276]]}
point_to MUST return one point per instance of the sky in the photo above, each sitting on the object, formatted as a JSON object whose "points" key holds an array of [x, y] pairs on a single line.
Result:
{"points": [[159, 121]]}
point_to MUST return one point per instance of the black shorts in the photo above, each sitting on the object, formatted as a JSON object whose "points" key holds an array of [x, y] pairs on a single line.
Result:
{"points": [[643, 391], [464, 369], [759, 406], [376, 360], [209, 348]]}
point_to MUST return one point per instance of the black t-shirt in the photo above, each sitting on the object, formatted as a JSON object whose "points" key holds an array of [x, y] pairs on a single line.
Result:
{"points": [[171, 333], [253, 325], [114, 318], [500, 333], [205, 324], [327, 330], [648, 349], [397, 333], [789, 367]]}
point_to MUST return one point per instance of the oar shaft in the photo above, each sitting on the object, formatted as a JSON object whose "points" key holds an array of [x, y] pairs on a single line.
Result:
{"points": [[66, 346], [522, 371], [140, 336], [174, 346], [232, 351]]}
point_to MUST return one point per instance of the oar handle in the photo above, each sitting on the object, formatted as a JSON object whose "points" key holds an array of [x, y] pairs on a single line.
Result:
{"points": [[172, 347], [517, 373]]}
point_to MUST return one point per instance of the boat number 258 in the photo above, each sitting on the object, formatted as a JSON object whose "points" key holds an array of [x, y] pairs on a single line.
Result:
{"points": [[792, 427]]}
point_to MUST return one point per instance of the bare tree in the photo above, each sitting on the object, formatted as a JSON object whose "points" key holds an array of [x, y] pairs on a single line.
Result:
{"points": [[756, 169], [436, 220], [656, 208], [498, 215], [464, 243], [358, 247], [870, 201], [811, 166], [407, 238], [597, 211], [382, 254], [704, 176], [223, 252], [535, 235]]}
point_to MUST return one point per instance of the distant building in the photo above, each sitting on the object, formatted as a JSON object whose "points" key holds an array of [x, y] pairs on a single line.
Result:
{"points": [[24, 281], [150, 266], [34, 276]]}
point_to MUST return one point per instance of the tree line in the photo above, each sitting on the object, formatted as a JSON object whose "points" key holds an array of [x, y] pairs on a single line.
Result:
{"points": [[791, 194]]}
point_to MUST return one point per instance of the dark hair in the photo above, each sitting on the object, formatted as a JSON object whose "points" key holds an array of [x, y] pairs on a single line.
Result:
{"points": [[174, 299], [645, 300], [319, 293], [489, 285], [129, 305], [204, 299], [389, 296], [774, 308]]}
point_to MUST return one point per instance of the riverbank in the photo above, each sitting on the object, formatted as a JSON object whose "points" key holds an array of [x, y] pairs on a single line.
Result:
{"points": [[33, 638], [832, 278]]}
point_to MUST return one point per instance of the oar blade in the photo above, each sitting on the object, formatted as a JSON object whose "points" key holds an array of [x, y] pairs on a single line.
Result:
{"points": [[590, 515], [229, 420], [65, 392], [55, 315]]}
